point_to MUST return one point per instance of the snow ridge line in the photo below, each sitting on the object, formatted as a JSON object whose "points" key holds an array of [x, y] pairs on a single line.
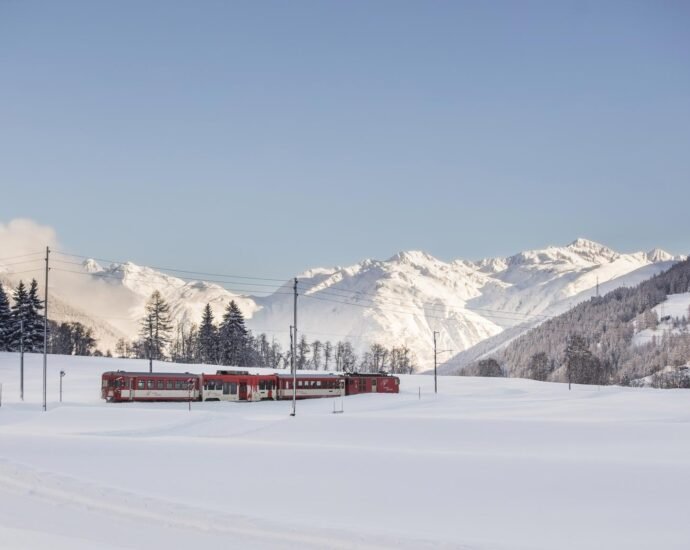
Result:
{"points": [[72, 491]]}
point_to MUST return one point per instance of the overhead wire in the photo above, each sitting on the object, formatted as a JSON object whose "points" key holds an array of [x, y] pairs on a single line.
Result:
{"points": [[21, 256], [341, 298], [224, 275], [142, 279]]}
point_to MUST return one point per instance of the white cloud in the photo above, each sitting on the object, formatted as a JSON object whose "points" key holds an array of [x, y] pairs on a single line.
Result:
{"points": [[24, 236]]}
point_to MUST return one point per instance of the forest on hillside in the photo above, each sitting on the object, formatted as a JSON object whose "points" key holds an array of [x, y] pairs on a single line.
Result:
{"points": [[596, 343]]}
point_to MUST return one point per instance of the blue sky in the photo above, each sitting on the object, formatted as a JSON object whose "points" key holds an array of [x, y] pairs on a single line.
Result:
{"points": [[268, 137]]}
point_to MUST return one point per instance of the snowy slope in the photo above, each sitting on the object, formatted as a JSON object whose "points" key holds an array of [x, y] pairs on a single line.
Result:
{"points": [[674, 308], [487, 464], [399, 301]]}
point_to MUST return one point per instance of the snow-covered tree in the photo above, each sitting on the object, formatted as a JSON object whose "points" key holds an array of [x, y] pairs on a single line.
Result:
{"points": [[6, 321], [208, 338], [233, 336]]}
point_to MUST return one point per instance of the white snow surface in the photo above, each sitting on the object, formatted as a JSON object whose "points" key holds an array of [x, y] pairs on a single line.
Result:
{"points": [[485, 464]]}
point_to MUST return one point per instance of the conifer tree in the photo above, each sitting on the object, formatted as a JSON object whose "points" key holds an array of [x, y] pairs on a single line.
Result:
{"points": [[35, 320], [156, 326], [233, 336], [6, 321], [20, 318], [208, 337]]}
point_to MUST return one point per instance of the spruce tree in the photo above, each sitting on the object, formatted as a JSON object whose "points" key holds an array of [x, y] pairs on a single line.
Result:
{"points": [[35, 329], [20, 318], [233, 336], [208, 337], [6, 321]]}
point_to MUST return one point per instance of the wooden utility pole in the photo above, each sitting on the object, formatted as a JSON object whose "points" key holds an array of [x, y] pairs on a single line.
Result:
{"points": [[150, 344], [45, 337], [294, 352], [435, 382], [21, 359]]}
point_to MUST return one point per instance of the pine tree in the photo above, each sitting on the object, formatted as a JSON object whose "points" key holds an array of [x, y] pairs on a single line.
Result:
{"points": [[233, 336], [6, 321], [20, 317], [156, 326], [34, 332], [208, 338]]}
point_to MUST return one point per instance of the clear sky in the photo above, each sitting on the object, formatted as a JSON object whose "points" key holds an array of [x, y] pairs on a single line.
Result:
{"points": [[268, 137]]}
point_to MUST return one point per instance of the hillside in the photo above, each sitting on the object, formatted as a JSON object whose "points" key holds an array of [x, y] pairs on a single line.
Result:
{"points": [[629, 334]]}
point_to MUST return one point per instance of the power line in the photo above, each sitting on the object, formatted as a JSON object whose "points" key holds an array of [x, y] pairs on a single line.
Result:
{"points": [[21, 256], [504, 315], [22, 262], [189, 279], [341, 294], [21, 272], [224, 275]]}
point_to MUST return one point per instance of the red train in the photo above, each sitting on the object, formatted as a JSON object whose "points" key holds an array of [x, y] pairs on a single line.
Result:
{"points": [[233, 385]]}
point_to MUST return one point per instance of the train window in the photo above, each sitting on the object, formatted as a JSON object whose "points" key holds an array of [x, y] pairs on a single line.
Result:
{"points": [[262, 385], [160, 384], [233, 387], [149, 384], [318, 383], [170, 385], [178, 384], [140, 384]]}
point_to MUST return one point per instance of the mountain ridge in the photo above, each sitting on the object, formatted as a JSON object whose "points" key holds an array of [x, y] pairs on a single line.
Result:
{"points": [[402, 300]]}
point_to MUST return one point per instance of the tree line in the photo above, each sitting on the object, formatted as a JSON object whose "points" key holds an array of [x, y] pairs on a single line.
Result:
{"points": [[228, 342], [22, 326]]}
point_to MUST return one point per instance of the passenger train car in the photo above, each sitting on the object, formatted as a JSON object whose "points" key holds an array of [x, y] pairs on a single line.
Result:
{"points": [[235, 385]]}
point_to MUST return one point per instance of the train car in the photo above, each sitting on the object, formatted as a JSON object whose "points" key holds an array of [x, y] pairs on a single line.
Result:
{"points": [[118, 386], [311, 386], [371, 383], [228, 385]]}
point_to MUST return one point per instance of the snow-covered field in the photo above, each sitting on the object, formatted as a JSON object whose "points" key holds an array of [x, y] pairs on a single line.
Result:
{"points": [[486, 464]]}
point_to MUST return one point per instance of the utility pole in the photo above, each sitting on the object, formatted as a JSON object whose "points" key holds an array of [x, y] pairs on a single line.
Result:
{"points": [[150, 344], [62, 374], [294, 353], [45, 337], [21, 359], [435, 382]]}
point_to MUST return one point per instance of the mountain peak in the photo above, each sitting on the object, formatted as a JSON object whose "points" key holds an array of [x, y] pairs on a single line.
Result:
{"points": [[587, 244], [414, 257], [591, 249], [91, 266], [659, 255]]}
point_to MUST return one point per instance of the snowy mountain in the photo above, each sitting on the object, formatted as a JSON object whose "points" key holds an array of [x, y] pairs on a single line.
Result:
{"points": [[401, 300]]}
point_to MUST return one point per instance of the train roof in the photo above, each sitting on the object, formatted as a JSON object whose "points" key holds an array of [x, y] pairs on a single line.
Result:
{"points": [[312, 375], [151, 374], [369, 374]]}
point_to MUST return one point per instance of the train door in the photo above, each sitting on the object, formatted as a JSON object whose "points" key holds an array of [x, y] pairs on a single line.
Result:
{"points": [[373, 385], [243, 391]]}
